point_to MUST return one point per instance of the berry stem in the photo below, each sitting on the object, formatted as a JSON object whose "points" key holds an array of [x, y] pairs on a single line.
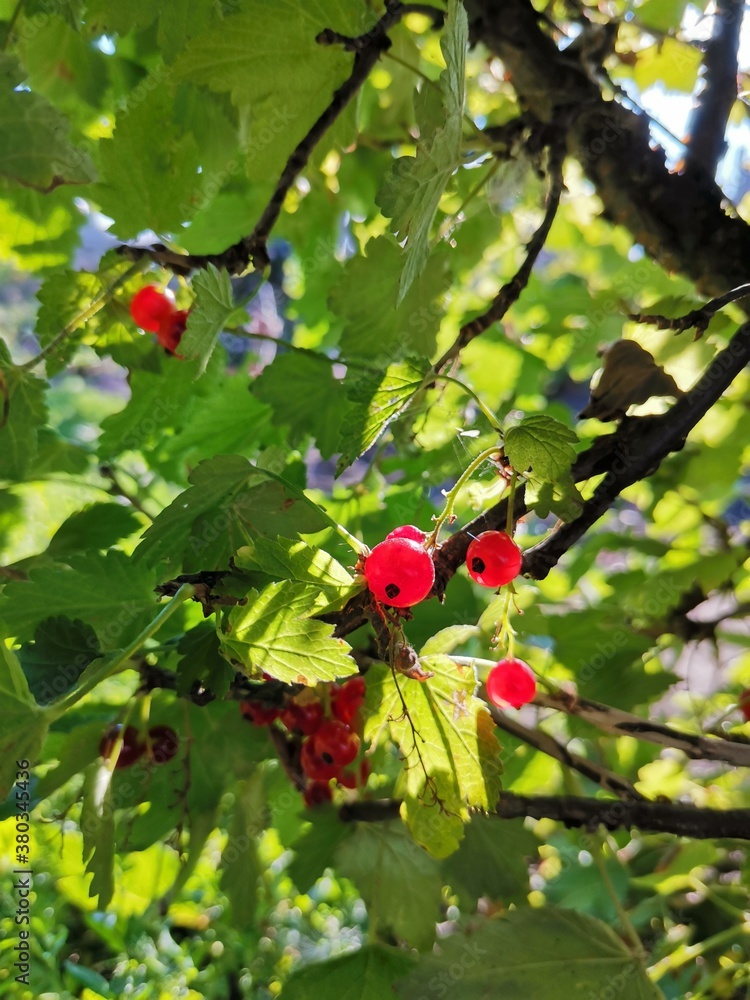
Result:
{"points": [[451, 495], [473, 395], [509, 524], [82, 317], [108, 666]]}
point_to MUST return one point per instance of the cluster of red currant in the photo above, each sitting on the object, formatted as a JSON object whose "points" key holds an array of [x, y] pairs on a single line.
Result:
{"points": [[400, 571], [155, 311], [160, 747], [327, 745]]}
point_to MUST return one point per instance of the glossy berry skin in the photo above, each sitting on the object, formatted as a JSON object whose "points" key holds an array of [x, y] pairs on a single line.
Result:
{"points": [[399, 572], [305, 719], [408, 531], [745, 703], [347, 699], [150, 307], [493, 559], [257, 713], [164, 744], [317, 793], [314, 765], [335, 743], [511, 682], [170, 330], [131, 750]]}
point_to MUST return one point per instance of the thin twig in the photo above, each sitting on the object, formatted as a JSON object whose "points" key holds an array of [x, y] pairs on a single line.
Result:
{"points": [[698, 318]]}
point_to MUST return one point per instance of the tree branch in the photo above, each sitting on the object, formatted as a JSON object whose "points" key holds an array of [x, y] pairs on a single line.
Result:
{"points": [[698, 318], [619, 723], [537, 738], [679, 219], [708, 121], [641, 449], [367, 50], [573, 811]]}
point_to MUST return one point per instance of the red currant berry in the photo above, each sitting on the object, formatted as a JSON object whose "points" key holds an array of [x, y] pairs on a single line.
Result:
{"points": [[745, 703], [303, 718], [347, 699], [258, 713], [314, 765], [171, 329], [317, 793], [511, 682], [150, 307], [399, 572], [493, 558], [350, 779], [408, 531], [336, 743], [164, 744], [131, 750]]}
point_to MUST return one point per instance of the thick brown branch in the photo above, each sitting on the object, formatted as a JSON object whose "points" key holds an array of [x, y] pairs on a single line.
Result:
{"points": [[679, 219], [641, 449], [708, 121], [619, 723], [656, 817], [537, 738]]}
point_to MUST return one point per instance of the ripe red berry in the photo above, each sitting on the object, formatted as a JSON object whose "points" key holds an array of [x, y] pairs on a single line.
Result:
{"points": [[511, 682], [335, 743], [303, 718], [258, 713], [408, 531], [350, 779], [170, 330], [399, 572], [132, 748], [347, 699], [745, 703], [317, 793], [314, 765], [164, 744], [493, 558], [150, 307]]}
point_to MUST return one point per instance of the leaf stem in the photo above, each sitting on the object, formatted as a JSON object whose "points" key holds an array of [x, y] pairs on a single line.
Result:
{"points": [[451, 495], [470, 392], [108, 666], [690, 952]]}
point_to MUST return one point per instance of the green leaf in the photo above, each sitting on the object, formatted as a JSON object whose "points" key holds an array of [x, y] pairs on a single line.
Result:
{"points": [[376, 400], [315, 850], [213, 304], [97, 526], [272, 633], [202, 662], [109, 592], [366, 974], [560, 497], [22, 398], [23, 725], [412, 191], [305, 397], [448, 639], [241, 866], [505, 848], [398, 880], [521, 954], [98, 829], [34, 147], [447, 739], [542, 444], [229, 502], [290, 559], [279, 77], [378, 324], [61, 651]]}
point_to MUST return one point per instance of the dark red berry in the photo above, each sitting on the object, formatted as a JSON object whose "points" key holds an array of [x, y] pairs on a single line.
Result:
{"points": [[745, 703], [303, 718], [350, 779], [258, 713], [408, 531], [335, 743], [164, 744], [493, 559], [170, 331], [347, 699], [511, 682], [150, 307], [131, 750], [314, 765], [399, 572], [317, 793]]}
